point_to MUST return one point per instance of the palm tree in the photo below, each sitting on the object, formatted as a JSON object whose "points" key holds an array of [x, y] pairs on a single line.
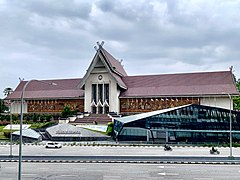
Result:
{"points": [[7, 91]]}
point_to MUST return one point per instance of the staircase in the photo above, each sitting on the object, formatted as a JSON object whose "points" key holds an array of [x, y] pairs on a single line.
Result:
{"points": [[93, 119]]}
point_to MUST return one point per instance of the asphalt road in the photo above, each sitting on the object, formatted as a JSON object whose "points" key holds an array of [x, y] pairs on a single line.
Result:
{"points": [[112, 171], [40, 150], [123, 159], [149, 154]]}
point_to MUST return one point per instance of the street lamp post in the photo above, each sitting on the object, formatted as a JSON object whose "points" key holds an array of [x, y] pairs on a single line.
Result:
{"points": [[10, 130], [230, 125], [20, 137], [21, 120]]}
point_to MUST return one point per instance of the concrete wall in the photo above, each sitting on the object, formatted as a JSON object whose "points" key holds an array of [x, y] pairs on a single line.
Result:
{"points": [[16, 108], [222, 102], [113, 91]]}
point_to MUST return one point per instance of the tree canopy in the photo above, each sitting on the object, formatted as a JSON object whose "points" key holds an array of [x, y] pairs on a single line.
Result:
{"points": [[236, 100], [238, 84], [7, 91], [66, 112], [2, 106]]}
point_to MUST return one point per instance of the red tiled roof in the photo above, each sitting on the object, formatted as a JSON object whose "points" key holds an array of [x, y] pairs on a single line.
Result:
{"points": [[116, 65], [119, 81], [60, 88], [189, 84]]}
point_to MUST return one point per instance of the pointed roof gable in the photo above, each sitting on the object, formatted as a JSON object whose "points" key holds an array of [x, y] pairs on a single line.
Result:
{"points": [[112, 65], [115, 64]]}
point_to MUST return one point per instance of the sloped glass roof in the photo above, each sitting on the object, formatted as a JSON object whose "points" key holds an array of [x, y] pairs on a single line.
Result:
{"points": [[128, 119], [28, 133], [190, 117]]}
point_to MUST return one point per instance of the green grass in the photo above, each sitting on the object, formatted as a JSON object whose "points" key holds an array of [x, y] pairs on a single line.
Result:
{"points": [[1, 132], [36, 125], [1, 128], [2, 137], [41, 125], [33, 126], [105, 133]]}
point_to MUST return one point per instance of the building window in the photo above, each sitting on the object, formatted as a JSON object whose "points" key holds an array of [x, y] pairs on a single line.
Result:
{"points": [[100, 96], [106, 92], [94, 109], [100, 93], [94, 92]]}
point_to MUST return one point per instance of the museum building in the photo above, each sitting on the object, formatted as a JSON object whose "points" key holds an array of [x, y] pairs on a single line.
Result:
{"points": [[193, 107], [106, 87]]}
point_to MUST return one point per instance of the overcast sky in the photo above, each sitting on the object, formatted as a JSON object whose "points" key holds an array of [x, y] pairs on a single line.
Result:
{"points": [[54, 39]]}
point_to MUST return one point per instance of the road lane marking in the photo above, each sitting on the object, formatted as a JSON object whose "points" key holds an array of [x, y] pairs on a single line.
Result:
{"points": [[161, 167], [203, 178], [162, 174], [168, 174]]}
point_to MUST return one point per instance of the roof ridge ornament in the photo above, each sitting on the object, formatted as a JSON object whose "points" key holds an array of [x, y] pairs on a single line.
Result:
{"points": [[120, 61], [99, 45]]}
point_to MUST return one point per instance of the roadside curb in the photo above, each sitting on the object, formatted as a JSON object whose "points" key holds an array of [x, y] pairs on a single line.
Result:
{"points": [[113, 144], [129, 162]]}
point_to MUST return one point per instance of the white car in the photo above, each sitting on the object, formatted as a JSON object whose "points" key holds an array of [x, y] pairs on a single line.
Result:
{"points": [[53, 145]]}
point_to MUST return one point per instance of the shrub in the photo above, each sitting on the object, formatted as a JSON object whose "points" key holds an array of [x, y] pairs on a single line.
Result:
{"points": [[6, 134], [4, 123], [67, 112], [110, 129]]}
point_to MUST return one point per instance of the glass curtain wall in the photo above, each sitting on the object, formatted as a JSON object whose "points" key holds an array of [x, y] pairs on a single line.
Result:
{"points": [[194, 123]]}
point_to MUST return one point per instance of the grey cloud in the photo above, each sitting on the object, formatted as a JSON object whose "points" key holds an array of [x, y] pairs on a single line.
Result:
{"points": [[53, 8], [106, 5], [128, 10], [42, 38]]}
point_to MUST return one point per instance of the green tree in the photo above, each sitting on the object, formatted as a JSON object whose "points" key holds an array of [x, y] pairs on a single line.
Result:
{"points": [[2, 106], [67, 112], [7, 91], [238, 84], [236, 100], [110, 129]]}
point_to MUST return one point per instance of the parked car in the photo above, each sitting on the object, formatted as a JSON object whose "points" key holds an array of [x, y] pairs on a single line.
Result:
{"points": [[53, 145]]}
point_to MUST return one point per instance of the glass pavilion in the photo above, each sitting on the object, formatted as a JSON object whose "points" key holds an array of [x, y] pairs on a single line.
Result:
{"points": [[189, 123]]}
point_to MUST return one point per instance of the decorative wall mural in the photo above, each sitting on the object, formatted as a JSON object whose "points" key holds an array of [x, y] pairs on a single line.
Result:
{"points": [[56, 106], [139, 105]]}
